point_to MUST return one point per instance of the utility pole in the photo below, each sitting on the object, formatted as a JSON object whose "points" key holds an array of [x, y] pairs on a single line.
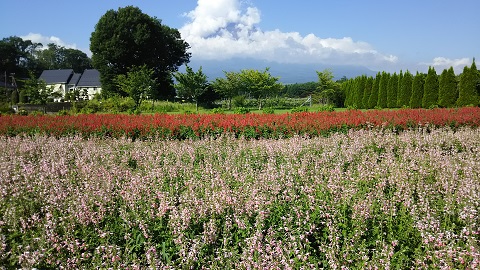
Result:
{"points": [[5, 81], [14, 84]]}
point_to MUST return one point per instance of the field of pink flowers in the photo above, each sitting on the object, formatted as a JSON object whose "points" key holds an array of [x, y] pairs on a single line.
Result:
{"points": [[360, 199]]}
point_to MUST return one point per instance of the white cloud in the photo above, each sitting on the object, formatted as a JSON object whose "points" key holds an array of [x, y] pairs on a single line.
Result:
{"points": [[441, 63], [225, 29], [38, 38]]}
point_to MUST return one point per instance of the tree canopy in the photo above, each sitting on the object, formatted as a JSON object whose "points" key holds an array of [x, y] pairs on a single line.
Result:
{"points": [[373, 99], [360, 82], [325, 80], [228, 87], [18, 56], [448, 92], [467, 86], [138, 83], [248, 82], [405, 90], [392, 91], [430, 89], [368, 92], [259, 84], [417, 90], [191, 85], [59, 57], [128, 37], [328, 90], [301, 90], [383, 89]]}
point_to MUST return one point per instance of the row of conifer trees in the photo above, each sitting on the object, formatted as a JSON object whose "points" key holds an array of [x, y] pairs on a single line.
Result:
{"points": [[414, 91]]}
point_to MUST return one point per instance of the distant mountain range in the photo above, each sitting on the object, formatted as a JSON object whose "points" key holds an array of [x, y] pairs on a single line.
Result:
{"points": [[288, 73]]}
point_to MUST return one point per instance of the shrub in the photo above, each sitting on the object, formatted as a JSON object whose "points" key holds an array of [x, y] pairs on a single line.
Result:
{"points": [[164, 107], [134, 111], [238, 101], [6, 109], [22, 96], [299, 109], [188, 112], [15, 97], [326, 108], [22, 112], [63, 112], [218, 111], [268, 110], [126, 104], [36, 113], [241, 110], [91, 106]]}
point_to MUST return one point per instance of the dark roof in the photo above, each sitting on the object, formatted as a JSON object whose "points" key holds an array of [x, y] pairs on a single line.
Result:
{"points": [[75, 78], [90, 78], [56, 76]]}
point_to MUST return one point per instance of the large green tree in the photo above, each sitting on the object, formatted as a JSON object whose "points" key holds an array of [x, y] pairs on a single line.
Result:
{"points": [[348, 88], [383, 90], [367, 92], [400, 80], [138, 83], [259, 84], [325, 80], [467, 87], [18, 56], [430, 89], [360, 82], [328, 90], [417, 91], [405, 90], [392, 89], [191, 85], [301, 90], [228, 87], [128, 37], [373, 99], [36, 91], [59, 57], [448, 92]]}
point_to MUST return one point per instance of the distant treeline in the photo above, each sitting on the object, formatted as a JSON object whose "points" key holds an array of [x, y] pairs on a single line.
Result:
{"points": [[414, 91]]}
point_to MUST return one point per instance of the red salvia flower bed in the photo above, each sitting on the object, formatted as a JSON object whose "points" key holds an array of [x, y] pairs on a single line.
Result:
{"points": [[164, 126]]}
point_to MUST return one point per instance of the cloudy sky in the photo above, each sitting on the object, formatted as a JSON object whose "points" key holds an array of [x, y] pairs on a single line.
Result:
{"points": [[378, 34]]}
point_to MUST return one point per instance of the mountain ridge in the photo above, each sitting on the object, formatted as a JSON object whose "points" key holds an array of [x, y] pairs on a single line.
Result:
{"points": [[289, 73]]}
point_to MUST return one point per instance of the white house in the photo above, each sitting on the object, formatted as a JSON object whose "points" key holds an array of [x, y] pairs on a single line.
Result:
{"points": [[58, 80], [64, 81], [89, 83]]}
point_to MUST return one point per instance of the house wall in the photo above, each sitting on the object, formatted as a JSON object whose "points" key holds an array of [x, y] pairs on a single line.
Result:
{"points": [[91, 91], [60, 88]]}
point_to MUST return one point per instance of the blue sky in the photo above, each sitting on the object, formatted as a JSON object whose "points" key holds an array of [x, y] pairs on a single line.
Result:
{"points": [[378, 34]]}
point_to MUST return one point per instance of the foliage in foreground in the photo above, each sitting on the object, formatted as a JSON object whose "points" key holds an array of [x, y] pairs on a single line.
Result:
{"points": [[194, 126], [364, 199]]}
